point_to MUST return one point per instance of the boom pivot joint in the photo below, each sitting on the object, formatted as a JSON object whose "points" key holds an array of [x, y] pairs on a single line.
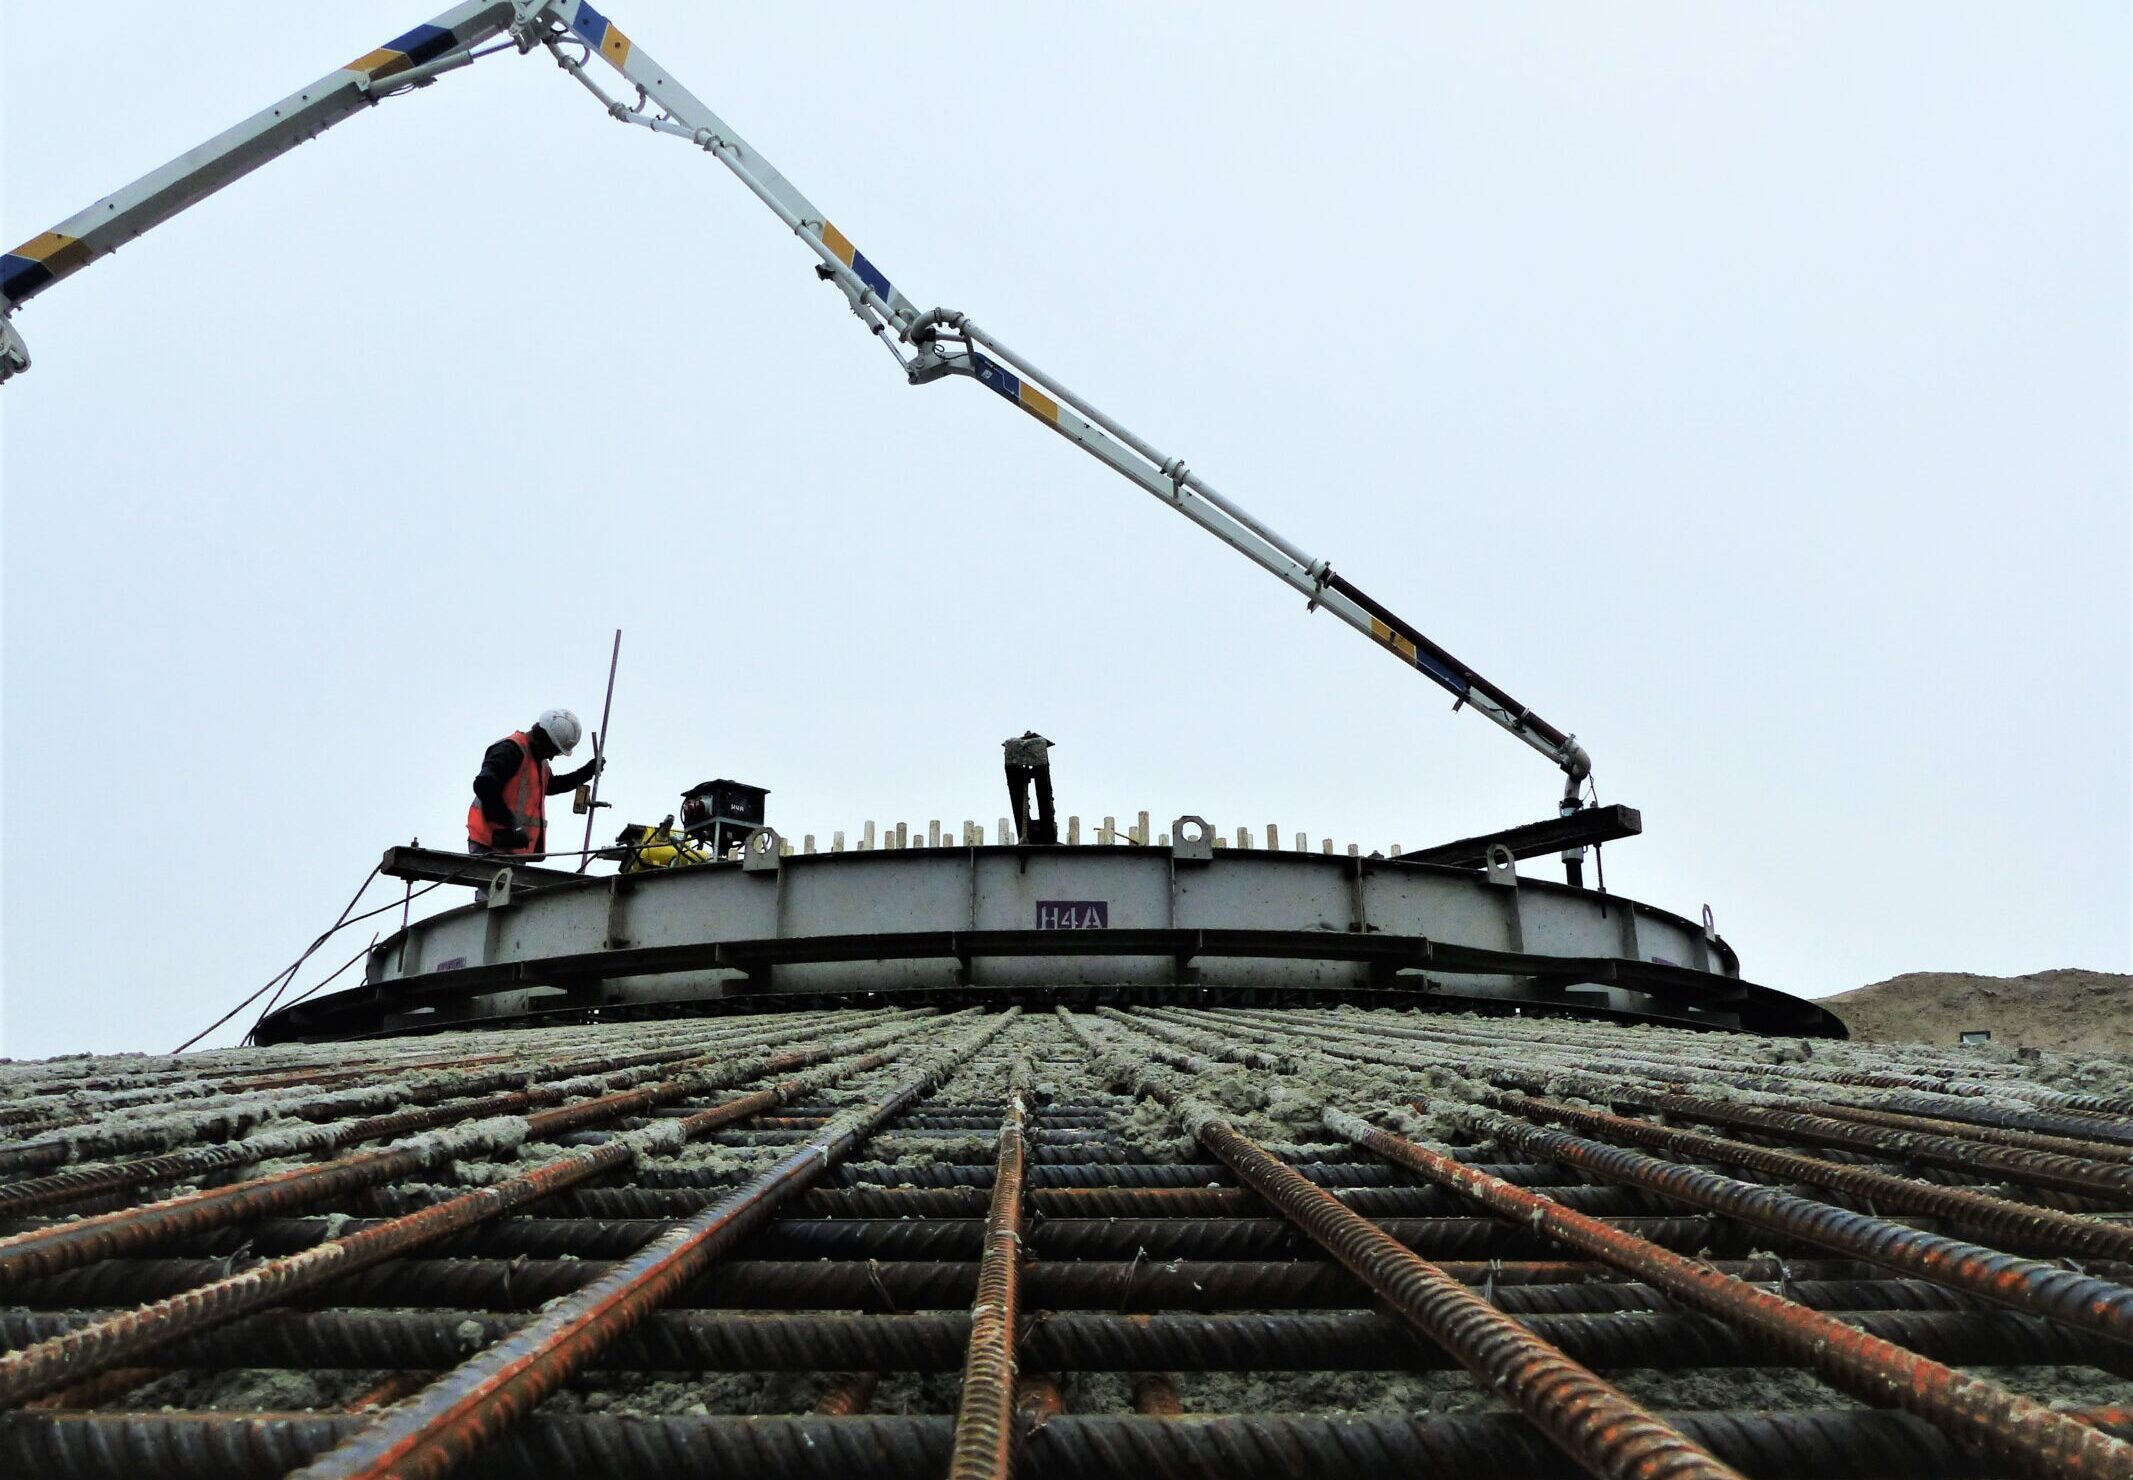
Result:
{"points": [[14, 354]]}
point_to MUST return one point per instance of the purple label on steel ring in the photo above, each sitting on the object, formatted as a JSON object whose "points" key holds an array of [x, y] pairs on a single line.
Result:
{"points": [[1073, 914]]}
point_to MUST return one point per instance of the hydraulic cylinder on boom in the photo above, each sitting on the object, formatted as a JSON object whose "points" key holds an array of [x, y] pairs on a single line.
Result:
{"points": [[930, 345]]}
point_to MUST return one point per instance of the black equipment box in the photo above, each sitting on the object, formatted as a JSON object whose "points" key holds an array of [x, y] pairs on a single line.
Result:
{"points": [[735, 804]]}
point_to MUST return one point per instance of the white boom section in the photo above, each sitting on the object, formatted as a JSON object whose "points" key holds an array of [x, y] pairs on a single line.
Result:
{"points": [[948, 343], [406, 61], [942, 343]]}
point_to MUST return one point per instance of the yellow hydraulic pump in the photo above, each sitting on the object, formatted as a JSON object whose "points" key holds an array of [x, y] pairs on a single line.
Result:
{"points": [[648, 847]]}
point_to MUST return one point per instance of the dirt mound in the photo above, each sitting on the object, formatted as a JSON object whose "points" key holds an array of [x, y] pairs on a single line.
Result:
{"points": [[2063, 1011]]}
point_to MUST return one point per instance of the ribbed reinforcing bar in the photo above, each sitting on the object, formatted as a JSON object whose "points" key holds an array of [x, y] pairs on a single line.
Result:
{"points": [[1133, 1242]]}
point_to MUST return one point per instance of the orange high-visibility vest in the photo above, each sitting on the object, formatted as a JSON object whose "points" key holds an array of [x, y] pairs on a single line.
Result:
{"points": [[526, 795]]}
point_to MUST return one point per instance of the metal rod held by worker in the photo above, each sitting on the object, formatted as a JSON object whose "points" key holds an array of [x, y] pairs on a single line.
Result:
{"points": [[592, 804]]}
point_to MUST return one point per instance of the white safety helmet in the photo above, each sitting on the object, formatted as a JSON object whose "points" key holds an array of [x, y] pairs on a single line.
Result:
{"points": [[562, 727]]}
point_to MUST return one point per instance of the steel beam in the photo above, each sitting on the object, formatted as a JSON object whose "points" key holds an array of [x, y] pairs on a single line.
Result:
{"points": [[437, 865], [1536, 839]]}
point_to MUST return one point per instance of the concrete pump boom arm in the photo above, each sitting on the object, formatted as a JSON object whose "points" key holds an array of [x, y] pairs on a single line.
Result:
{"points": [[930, 344]]}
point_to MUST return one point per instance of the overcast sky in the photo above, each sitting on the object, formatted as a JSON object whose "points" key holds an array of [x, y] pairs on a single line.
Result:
{"points": [[1744, 388]]}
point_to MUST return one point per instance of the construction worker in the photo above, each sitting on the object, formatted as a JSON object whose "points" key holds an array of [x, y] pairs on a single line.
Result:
{"points": [[1029, 764], [509, 813]]}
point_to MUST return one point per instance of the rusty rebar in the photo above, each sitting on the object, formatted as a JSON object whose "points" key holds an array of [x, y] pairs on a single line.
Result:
{"points": [[2073, 1174], [183, 1083], [47, 1250], [2021, 1223], [1646, 1331], [1251, 1058], [77, 1183], [93, 1392], [848, 1395], [1969, 1409], [984, 1417], [388, 1390], [2026, 1284], [453, 1419], [865, 1240], [1130, 1283], [60, 1246], [61, 1359], [53, 1362], [1597, 1424], [1038, 1399], [2006, 1136], [1156, 1395], [113, 1140], [2050, 1119], [1855, 1444], [2075, 1116], [2006, 1279], [2095, 1108]]}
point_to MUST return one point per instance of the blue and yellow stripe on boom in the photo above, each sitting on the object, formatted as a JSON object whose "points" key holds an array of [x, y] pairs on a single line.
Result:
{"points": [[38, 261], [602, 35], [1012, 386], [842, 249], [424, 43], [1392, 637]]}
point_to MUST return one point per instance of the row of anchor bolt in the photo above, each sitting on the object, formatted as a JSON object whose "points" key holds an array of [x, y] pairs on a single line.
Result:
{"points": [[1104, 834]]}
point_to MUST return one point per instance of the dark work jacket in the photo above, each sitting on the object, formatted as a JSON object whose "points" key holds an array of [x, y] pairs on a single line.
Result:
{"points": [[499, 764]]}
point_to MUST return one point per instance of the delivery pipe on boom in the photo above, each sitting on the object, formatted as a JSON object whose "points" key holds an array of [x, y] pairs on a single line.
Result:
{"points": [[930, 346]]}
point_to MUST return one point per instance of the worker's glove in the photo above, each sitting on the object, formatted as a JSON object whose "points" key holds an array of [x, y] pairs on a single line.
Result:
{"points": [[511, 840], [595, 766]]}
